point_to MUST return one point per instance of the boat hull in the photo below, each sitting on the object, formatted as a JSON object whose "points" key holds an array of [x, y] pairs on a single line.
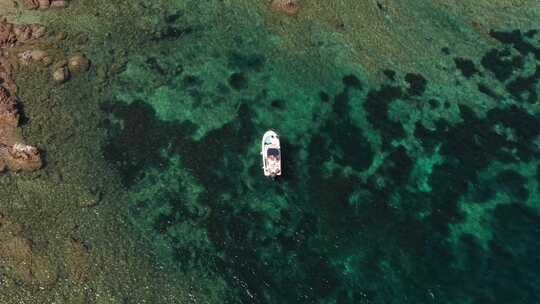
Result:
{"points": [[271, 154]]}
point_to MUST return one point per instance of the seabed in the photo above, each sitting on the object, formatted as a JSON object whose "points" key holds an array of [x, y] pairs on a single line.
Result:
{"points": [[411, 149]]}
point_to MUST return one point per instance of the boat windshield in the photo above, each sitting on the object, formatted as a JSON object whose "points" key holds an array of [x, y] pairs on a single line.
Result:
{"points": [[273, 152]]}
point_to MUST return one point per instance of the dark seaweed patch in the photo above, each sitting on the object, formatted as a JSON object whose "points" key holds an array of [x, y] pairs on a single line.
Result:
{"points": [[324, 96], [278, 103], [466, 66], [377, 104], [425, 135], [398, 166], [223, 89], [137, 144], [246, 62], [531, 33], [173, 32], [191, 81], [516, 39], [538, 175], [482, 192], [501, 63], [417, 84], [515, 250], [525, 88], [174, 17], [154, 64], [489, 92], [352, 82], [512, 183], [434, 103], [391, 75], [353, 149], [472, 143], [526, 127], [238, 81], [341, 106]]}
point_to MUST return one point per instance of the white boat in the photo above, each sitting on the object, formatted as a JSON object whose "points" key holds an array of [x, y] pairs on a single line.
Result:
{"points": [[271, 154]]}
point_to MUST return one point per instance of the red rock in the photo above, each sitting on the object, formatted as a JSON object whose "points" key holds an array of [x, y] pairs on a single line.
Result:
{"points": [[44, 4], [9, 114], [289, 7], [7, 36], [31, 4], [15, 155], [21, 157]]}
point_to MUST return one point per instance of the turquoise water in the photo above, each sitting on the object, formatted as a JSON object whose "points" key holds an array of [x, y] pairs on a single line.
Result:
{"points": [[399, 189]]}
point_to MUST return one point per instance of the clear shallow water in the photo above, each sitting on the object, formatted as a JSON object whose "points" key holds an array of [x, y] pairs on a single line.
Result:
{"points": [[398, 191]]}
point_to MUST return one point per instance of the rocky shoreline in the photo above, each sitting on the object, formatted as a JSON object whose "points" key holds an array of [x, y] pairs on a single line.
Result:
{"points": [[15, 154], [20, 47], [62, 235]]}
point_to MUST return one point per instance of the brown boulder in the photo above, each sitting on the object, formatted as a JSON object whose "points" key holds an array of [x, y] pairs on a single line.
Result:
{"points": [[289, 7], [31, 4], [9, 114], [7, 36], [21, 157], [78, 63]]}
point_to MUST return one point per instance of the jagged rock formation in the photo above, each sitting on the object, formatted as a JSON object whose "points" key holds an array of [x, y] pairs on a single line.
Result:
{"points": [[12, 34], [44, 4], [289, 7], [15, 154]]}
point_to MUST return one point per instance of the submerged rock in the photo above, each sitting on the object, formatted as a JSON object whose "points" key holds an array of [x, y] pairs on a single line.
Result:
{"points": [[38, 54], [59, 4], [18, 256], [289, 7], [60, 75], [78, 63], [14, 34], [14, 153], [44, 4], [21, 157], [9, 114]]}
